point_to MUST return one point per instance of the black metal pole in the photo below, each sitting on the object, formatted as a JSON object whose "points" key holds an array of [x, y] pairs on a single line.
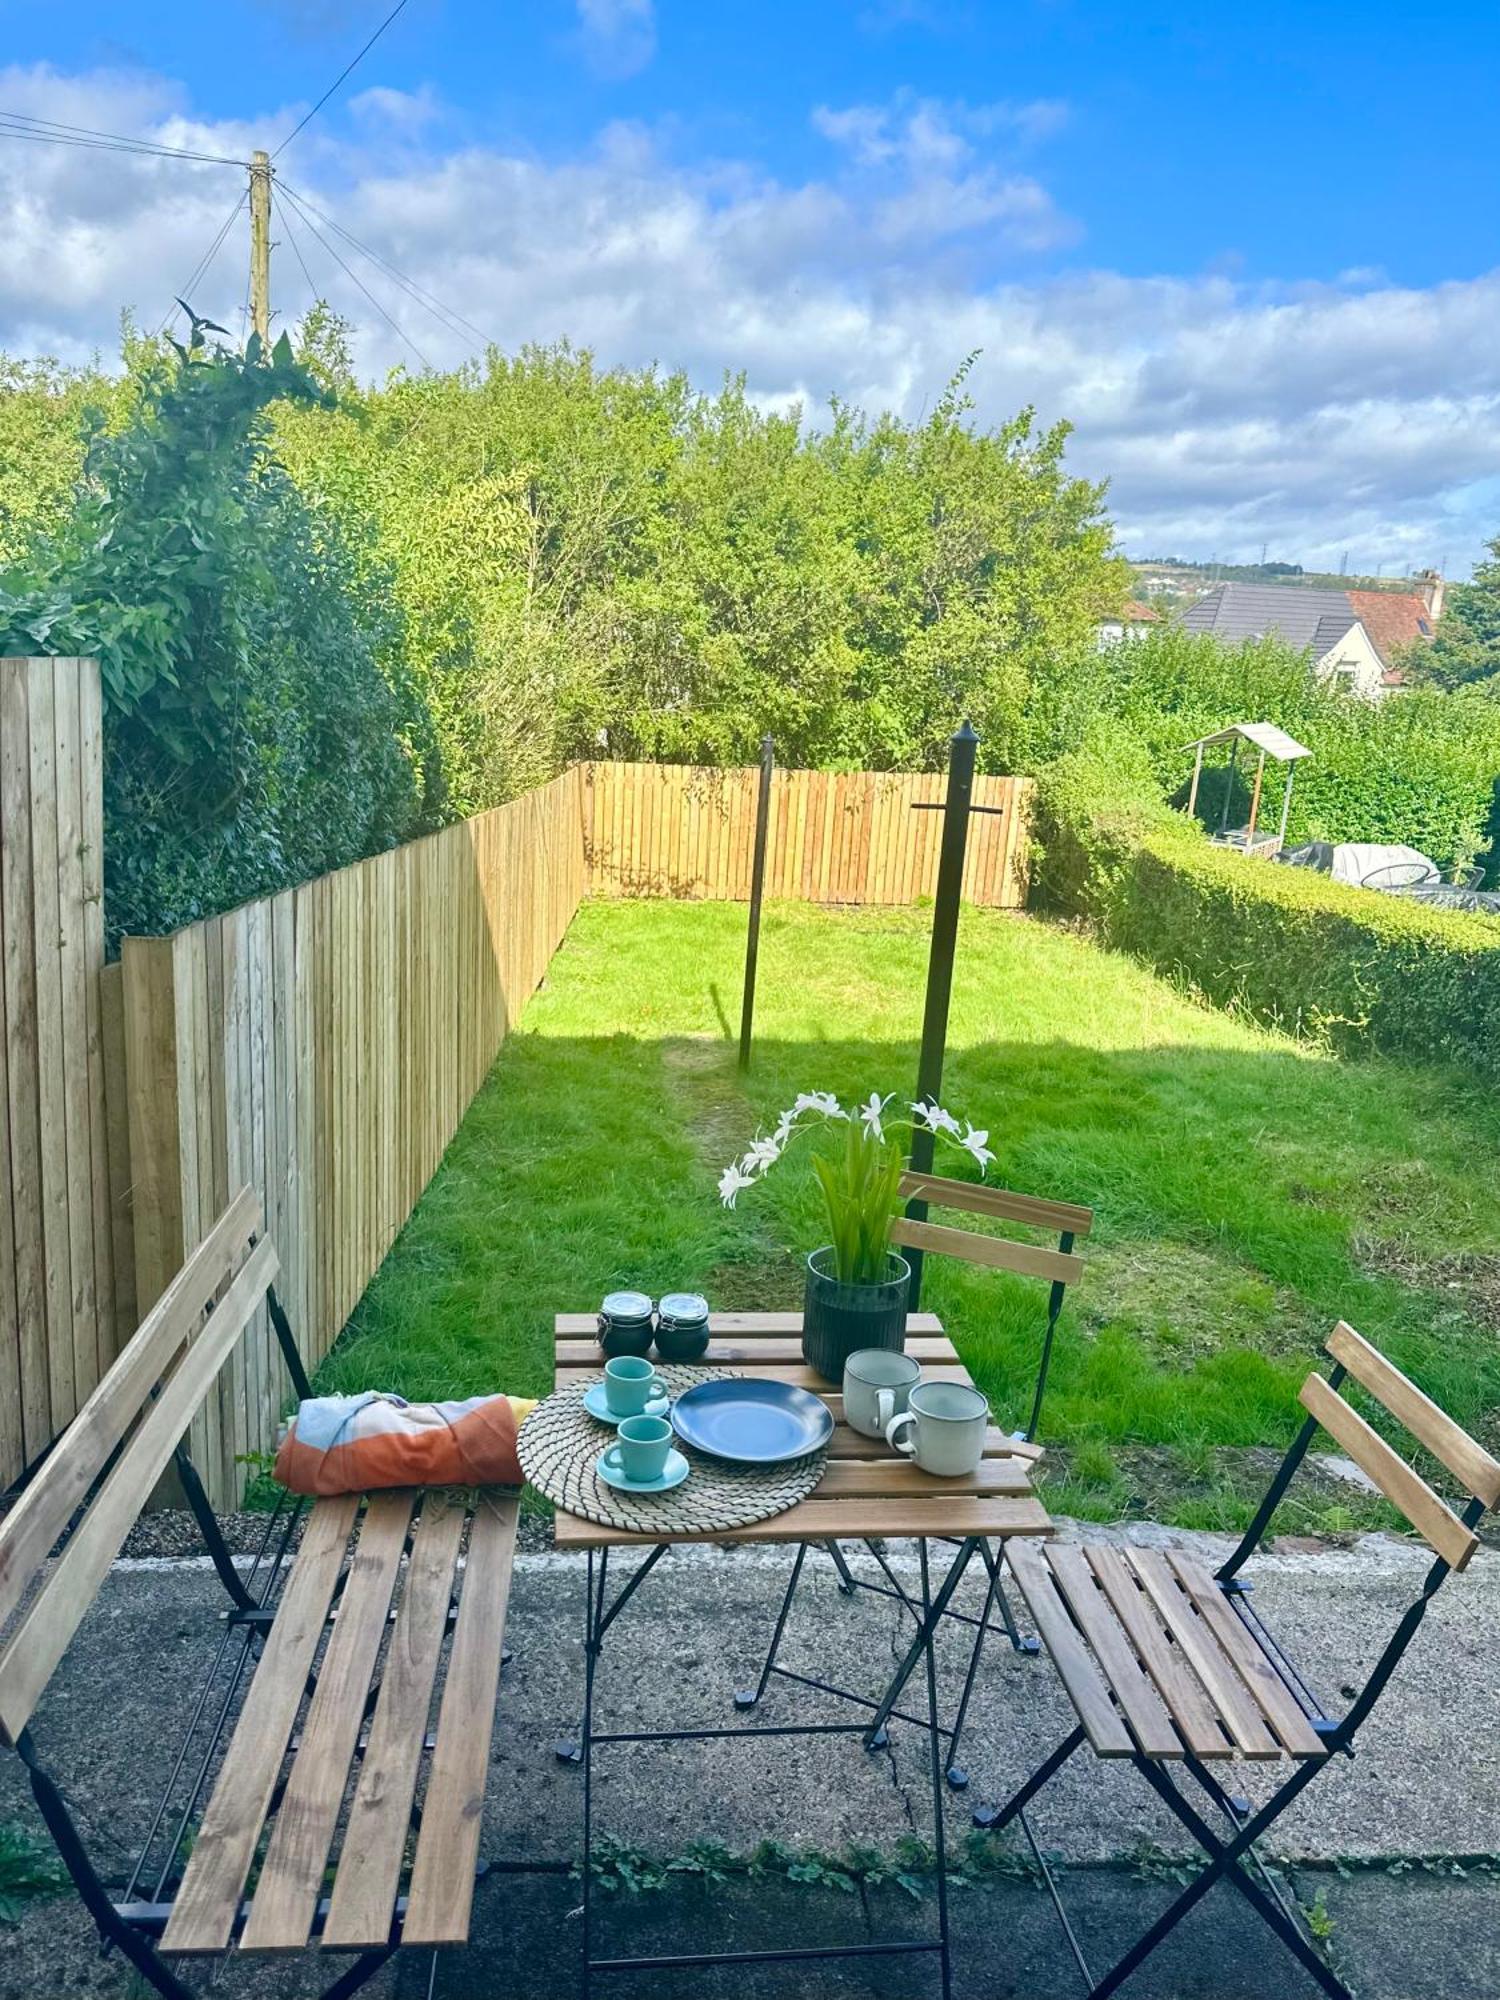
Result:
{"points": [[757, 887], [950, 884]]}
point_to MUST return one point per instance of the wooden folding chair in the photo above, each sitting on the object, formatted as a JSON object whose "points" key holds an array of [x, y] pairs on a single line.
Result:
{"points": [[1060, 1267], [1167, 1665]]}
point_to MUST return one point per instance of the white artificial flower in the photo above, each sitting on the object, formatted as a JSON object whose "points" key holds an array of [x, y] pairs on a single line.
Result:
{"points": [[822, 1101], [871, 1113], [732, 1180], [975, 1143]]}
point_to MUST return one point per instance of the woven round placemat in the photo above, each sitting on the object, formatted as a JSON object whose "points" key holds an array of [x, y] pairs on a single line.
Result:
{"points": [[560, 1444]]}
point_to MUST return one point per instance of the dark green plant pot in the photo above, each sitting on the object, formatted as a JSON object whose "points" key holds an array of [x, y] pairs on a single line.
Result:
{"points": [[839, 1319]]}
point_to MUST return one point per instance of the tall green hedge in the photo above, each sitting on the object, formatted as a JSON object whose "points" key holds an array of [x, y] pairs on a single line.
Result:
{"points": [[1292, 948]]}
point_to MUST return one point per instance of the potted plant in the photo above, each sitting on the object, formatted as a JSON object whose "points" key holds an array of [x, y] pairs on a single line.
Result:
{"points": [[856, 1283]]}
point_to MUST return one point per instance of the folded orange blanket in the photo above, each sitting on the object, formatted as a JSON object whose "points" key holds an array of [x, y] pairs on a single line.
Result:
{"points": [[351, 1444]]}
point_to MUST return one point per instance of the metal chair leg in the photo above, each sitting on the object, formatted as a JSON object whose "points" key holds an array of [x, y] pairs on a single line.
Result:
{"points": [[746, 1698]]}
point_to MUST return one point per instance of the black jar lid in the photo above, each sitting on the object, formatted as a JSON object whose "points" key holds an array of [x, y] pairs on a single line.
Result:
{"points": [[626, 1308], [683, 1309]]}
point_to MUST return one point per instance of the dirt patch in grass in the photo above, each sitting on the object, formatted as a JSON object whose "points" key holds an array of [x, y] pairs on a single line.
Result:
{"points": [[701, 1076], [1186, 1303], [1470, 1277]]}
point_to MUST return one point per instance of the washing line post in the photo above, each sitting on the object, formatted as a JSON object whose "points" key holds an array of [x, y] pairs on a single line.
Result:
{"points": [[757, 890]]}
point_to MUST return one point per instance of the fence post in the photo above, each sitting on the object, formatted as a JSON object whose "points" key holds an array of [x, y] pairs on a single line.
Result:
{"points": [[153, 1111]]}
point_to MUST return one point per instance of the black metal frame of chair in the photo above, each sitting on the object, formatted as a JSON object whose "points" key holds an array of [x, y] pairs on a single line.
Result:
{"points": [[1453, 1540], [1001, 1204]]}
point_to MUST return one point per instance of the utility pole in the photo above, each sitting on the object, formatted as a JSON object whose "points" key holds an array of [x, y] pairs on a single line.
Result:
{"points": [[260, 249]]}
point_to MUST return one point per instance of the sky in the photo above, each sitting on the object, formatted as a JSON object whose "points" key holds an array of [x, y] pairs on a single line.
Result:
{"points": [[1247, 251]]}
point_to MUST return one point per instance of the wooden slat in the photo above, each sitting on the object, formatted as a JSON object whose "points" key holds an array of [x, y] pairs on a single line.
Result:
{"points": [[1476, 1471], [375, 1838], [44, 1509], [1272, 1696], [864, 1479], [818, 1520], [1102, 1722], [208, 1901], [291, 1875], [1406, 1490], [1000, 1203], [735, 1325], [765, 1350], [849, 1443], [442, 1876], [1164, 1662], [1148, 1720], [796, 1372], [1223, 1686], [34, 1649], [997, 1253]]}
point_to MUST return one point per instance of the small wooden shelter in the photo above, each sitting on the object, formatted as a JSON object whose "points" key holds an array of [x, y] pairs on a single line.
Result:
{"points": [[1268, 741]]}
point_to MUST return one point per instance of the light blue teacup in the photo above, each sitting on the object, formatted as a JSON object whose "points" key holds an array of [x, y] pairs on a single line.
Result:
{"points": [[630, 1383], [640, 1451]]}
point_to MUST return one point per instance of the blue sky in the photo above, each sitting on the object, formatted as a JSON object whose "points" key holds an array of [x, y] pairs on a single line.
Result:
{"points": [[1247, 250]]}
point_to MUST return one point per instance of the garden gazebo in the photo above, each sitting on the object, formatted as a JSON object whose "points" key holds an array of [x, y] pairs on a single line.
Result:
{"points": [[1268, 741]]}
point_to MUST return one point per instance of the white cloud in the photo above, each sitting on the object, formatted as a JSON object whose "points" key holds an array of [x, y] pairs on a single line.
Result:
{"points": [[1355, 414], [618, 37]]}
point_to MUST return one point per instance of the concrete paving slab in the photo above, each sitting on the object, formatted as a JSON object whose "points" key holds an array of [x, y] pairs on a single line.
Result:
{"points": [[1423, 1783]]}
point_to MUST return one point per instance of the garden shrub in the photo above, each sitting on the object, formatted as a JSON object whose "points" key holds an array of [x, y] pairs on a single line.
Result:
{"points": [[1091, 811], [1313, 955], [258, 726], [1291, 947]]}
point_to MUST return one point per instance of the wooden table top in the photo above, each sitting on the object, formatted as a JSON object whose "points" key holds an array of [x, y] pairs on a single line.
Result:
{"points": [[866, 1489]]}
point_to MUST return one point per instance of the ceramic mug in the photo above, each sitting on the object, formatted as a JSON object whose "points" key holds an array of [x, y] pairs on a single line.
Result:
{"points": [[876, 1386], [630, 1383], [640, 1449], [948, 1420]]}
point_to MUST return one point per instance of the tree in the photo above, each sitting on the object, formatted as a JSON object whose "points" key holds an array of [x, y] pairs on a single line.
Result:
{"points": [[257, 727], [1466, 645]]}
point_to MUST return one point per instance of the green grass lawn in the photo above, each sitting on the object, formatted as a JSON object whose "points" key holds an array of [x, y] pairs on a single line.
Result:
{"points": [[1248, 1190]]}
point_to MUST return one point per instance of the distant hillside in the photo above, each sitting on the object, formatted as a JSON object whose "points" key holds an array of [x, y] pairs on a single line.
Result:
{"points": [[1178, 581]]}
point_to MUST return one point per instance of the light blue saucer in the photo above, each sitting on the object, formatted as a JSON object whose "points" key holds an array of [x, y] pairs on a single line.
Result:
{"points": [[600, 1411], [673, 1474]]}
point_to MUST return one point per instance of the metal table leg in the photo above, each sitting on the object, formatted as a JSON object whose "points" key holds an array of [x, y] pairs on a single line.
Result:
{"points": [[599, 1614]]}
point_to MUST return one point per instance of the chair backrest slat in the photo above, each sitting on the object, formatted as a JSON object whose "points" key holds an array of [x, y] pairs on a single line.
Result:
{"points": [[1432, 1518], [1000, 1203], [998, 1253], [44, 1509], [1450, 1444], [31, 1654]]}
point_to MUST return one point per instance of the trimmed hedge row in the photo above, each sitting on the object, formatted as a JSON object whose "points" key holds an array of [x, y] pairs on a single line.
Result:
{"points": [[1312, 955], [1291, 948]]}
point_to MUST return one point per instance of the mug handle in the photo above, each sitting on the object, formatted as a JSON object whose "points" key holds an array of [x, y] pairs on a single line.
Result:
{"points": [[613, 1458], [657, 1388], [893, 1428], [885, 1408]]}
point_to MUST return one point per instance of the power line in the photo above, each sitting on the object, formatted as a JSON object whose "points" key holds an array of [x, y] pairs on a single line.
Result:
{"points": [[354, 278], [347, 71], [201, 271], [448, 316], [51, 132], [296, 243]]}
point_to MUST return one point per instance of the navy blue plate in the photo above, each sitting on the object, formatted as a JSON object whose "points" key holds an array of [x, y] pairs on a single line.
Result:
{"points": [[758, 1423]]}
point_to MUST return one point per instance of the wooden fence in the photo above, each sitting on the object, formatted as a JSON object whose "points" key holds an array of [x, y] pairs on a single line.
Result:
{"points": [[833, 837], [322, 1046], [58, 1305]]}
